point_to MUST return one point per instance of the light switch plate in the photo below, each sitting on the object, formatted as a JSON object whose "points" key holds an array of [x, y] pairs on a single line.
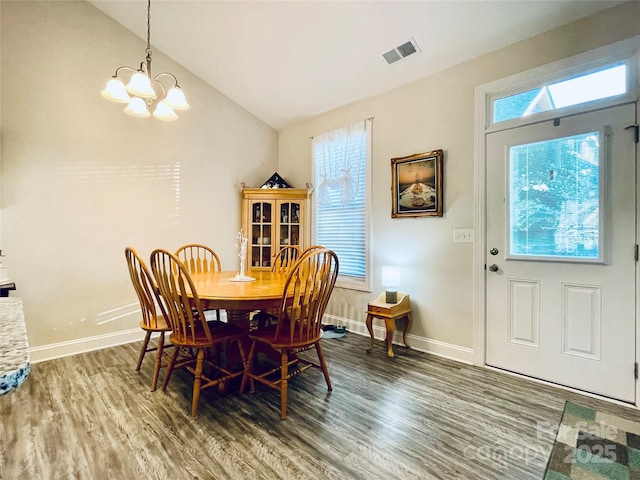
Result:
{"points": [[463, 235]]}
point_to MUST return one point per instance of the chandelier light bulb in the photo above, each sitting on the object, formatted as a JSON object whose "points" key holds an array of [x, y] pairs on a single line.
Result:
{"points": [[164, 112], [140, 85], [175, 98], [137, 108], [116, 91]]}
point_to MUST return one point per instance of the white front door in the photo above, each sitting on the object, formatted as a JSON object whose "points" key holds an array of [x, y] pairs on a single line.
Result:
{"points": [[561, 235]]}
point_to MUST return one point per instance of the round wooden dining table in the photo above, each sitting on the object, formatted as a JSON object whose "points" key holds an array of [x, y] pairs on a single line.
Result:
{"points": [[217, 290]]}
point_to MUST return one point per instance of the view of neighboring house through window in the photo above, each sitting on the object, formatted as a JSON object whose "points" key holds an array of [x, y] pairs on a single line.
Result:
{"points": [[607, 82], [555, 198], [341, 207]]}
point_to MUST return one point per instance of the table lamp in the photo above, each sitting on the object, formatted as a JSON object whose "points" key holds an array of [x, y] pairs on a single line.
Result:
{"points": [[391, 280]]}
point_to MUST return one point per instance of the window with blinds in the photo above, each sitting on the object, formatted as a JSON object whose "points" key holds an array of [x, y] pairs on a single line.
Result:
{"points": [[555, 198], [341, 165]]}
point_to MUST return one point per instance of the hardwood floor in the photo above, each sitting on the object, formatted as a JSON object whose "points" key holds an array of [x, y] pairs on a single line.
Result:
{"points": [[417, 416]]}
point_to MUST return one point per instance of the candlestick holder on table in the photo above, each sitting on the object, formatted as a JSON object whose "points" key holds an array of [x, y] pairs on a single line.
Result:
{"points": [[241, 246]]}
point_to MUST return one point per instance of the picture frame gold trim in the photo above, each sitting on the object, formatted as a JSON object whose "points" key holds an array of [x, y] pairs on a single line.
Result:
{"points": [[416, 185]]}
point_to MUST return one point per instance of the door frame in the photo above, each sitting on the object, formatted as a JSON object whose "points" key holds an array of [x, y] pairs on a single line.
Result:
{"points": [[626, 49]]}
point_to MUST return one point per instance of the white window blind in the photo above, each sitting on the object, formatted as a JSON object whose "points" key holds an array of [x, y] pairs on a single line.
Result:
{"points": [[341, 213]]}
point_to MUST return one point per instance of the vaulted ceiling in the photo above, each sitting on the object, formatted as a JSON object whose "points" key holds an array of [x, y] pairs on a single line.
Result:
{"points": [[285, 61]]}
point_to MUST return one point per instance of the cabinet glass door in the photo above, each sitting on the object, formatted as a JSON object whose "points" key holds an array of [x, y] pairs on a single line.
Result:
{"points": [[261, 234], [289, 224]]}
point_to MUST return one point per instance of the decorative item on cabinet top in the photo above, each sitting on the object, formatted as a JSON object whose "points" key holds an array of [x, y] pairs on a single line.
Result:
{"points": [[275, 181]]}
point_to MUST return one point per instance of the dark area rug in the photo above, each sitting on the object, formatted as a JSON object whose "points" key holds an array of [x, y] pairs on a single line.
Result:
{"points": [[593, 445]]}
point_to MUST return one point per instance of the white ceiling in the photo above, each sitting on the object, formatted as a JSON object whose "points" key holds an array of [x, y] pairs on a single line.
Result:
{"points": [[285, 61]]}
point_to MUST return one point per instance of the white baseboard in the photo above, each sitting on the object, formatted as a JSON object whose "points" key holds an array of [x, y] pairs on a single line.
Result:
{"points": [[422, 344], [82, 345], [88, 344]]}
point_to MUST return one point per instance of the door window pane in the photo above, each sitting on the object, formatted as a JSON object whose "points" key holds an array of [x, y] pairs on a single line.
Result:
{"points": [[554, 198]]}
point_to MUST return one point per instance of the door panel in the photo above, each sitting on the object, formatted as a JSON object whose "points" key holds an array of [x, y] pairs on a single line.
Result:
{"points": [[524, 314], [561, 231], [582, 321]]}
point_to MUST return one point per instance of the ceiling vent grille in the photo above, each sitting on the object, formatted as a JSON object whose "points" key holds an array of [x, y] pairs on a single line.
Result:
{"points": [[401, 51]]}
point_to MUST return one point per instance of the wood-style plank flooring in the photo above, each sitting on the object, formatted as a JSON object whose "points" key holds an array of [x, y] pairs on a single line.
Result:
{"points": [[417, 416]]}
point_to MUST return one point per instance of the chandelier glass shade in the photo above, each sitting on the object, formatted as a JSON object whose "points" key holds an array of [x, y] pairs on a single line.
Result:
{"points": [[144, 91]]}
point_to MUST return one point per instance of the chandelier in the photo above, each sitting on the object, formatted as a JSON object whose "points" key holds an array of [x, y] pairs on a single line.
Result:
{"points": [[144, 91]]}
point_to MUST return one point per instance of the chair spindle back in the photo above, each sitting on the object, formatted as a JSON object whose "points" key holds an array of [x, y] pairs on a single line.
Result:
{"points": [[310, 281], [285, 259], [198, 258], [148, 294], [184, 309]]}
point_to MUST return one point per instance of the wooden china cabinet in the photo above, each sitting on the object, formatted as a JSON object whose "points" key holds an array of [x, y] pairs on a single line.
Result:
{"points": [[273, 218]]}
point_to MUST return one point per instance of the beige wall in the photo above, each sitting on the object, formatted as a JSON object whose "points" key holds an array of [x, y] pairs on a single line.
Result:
{"points": [[432, 113], [81, 180]]}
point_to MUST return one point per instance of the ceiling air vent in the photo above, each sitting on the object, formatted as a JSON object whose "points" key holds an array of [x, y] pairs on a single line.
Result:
{"points": [[401, 51]]}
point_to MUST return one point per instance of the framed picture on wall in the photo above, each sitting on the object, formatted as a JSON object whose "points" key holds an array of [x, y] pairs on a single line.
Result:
{"points": [[416, 185]]}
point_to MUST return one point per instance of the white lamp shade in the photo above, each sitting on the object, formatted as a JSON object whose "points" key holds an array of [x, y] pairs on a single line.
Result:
{"points": [[116, 91], [175, 98], [137, 108], [164, 112], [390, 277], [140, 85]]}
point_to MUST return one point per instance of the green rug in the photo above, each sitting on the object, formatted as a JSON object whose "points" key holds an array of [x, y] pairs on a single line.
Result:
{"points": [[592, 445]]}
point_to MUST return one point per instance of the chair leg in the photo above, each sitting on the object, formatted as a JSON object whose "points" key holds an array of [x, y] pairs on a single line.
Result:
{"points": [[172, 362], [156, 370], [243, 357], [247, 369], [284, 384], [222, 386], [197, 382], [323, 364], [143, 350]]}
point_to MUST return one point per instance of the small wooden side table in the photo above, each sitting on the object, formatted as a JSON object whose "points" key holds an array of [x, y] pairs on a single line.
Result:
{"points": [[389, 312]]}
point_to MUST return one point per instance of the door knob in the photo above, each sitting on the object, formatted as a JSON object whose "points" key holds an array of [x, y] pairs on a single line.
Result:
{"points": [[493, 268]]}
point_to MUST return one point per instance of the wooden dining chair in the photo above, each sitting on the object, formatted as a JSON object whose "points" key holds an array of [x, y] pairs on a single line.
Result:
{"points": [[283, 262], [285, 259], [199, 258], [191, 332], [154, 316], [305, 296], [312, 247]]}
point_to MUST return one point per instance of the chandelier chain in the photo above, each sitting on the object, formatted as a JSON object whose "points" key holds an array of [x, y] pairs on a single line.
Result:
{"points": [[148, 50]]}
